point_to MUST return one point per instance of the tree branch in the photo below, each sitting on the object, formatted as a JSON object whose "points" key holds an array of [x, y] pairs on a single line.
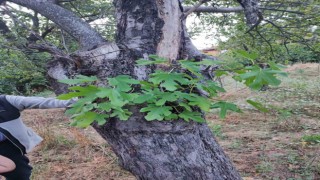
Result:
{"points": [[208, 9], [194, 8], [214, 9], [68, 21]]}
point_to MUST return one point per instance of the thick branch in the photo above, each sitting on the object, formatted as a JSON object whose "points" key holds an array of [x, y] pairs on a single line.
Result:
{"points": [[214, 9], [69, 22]]}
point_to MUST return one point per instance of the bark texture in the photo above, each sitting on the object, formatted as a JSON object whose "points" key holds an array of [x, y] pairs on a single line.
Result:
{"points": [[168, 150]]}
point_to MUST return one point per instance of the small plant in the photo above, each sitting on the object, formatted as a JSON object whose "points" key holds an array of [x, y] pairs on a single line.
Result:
{"points": [[264, 167], [236, 144], [311, 139], [217, 130]]}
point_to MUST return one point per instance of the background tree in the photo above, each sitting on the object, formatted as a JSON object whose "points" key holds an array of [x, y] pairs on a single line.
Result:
{"points": [[288, 31]]}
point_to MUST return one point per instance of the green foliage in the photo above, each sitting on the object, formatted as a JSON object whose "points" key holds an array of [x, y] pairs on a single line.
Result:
{"points": [[224, 106], [247, 69], [256, 77], [99, 103], [164, 96], [258, 106], [18, 74], [313, 139], [288, 33]]}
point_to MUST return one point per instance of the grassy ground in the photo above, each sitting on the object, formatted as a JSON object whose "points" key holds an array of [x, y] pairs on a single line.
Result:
{"points": [[261, 145]]}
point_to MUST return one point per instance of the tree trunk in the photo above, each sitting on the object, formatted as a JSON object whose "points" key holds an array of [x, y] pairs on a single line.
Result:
{"points": [[158, 150], [150, 150], [167, 150]]}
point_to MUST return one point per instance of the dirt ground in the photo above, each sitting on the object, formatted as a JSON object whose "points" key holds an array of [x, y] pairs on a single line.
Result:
{"points": [[261, 145]]}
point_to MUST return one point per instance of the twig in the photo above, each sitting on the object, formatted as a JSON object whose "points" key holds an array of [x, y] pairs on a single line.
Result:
{"points": [[64, 42], [186, 14], [266, 42]]}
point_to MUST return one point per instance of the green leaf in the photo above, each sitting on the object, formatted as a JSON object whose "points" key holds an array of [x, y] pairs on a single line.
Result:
{"points": [[129, 96], [245, 54], [171, 117], [210, 62], [101, 118], [257, 77], [189, 115], [114, 96], [144, 98], [258, 106], [83, 120], [220, 73], [147, 85], [154, 59], [156, 112], [79, 92], [69, 95], [185, 105], [105, 106], [191, 66], [104, 92], [122, 82], [275, 66], [202, 102], [210, 87], [116, 99], [170, 81], [77, 107], [224, 106], [122, 114], [166, 96], [196, 100]]}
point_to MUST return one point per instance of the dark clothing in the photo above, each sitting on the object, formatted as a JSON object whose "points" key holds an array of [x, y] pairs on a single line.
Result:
{"points": [[23, 169]]}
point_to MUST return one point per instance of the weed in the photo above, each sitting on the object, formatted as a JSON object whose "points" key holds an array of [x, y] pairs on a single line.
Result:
{"points": [[216, 130], [293, 158], [312, 139], [264, 167], [236, 144]]}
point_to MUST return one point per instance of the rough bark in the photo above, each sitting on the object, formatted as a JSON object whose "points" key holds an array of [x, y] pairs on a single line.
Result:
{"points": [[167, 150], [251, 11]]}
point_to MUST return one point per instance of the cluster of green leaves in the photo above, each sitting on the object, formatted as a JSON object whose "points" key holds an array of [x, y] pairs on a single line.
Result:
{"points": [[164, 96], [99, 103], [245, 68], [248, 70]]}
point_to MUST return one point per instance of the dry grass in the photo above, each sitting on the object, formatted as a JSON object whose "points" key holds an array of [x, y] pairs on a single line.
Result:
{"points": [[261, 145], [68, 152], [269, 145]]}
